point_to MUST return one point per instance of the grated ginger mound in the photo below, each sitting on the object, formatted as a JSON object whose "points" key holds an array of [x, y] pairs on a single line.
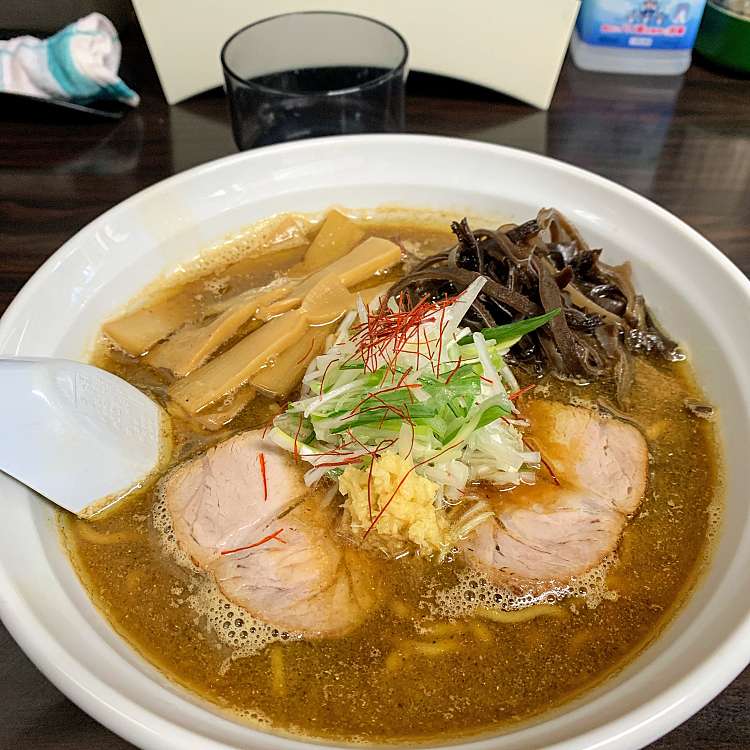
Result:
{"points": [[410, 516]]}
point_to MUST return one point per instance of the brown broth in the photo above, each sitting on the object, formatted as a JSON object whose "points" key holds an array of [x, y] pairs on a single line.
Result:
{"points": [[493, 675]]}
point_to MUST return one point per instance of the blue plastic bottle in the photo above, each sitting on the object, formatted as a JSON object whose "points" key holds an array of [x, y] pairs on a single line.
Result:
{"points": [[636, 36]]}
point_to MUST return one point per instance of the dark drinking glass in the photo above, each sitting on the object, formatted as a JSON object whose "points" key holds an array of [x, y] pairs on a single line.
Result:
{"points": [[303, 75]]}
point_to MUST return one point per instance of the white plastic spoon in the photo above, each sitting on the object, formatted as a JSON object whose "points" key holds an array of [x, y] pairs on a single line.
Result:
{"points": [[76, 434]]}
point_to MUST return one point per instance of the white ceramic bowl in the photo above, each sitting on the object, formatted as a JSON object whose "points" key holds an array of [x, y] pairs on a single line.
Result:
{"points": [[700, 296]]}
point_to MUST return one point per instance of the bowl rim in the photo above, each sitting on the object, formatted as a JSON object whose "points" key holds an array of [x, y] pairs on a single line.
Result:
{"points": [[142, 726]]}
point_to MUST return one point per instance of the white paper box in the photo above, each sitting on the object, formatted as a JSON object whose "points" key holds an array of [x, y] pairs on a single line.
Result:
{"points": [[513, 46]]}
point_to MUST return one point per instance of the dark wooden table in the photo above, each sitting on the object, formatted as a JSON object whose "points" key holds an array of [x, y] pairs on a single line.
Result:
{"points": [[684, 143]]}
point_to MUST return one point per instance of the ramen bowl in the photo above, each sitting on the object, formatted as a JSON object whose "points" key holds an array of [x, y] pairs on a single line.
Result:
{"points": [[698, 295]]}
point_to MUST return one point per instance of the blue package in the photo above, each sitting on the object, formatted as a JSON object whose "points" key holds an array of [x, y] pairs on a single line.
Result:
{"points": [[645, 24]]}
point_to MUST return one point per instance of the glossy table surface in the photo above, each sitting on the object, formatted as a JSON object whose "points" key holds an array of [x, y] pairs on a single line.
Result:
{"points": [[683, 142]]}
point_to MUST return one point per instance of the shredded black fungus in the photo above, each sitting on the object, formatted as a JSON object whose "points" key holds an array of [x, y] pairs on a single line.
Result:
{"points": [[536, 267]]}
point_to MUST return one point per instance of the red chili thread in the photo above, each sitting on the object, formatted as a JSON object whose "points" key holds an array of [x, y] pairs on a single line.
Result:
{"points": [[269, 422], [323, 379], [385, 327], [550, 469], [400, 484], [307, 353], [521, 391], [532, 444], [454, 371], [369, 487], [265, 539], [375, 394], [262, 462]]}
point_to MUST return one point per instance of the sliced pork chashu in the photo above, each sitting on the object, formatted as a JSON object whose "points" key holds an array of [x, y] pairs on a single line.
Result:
{"points": [[294, 573], [308, 583], [550, 531]]}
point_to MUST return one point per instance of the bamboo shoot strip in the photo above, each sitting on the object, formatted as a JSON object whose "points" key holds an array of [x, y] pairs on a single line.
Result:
{"points": [[235, 366], [327, 301], [336, 237], [284, 374], [138, 331], [368, 258], [223, 414], [191, 346], [373, 255]]}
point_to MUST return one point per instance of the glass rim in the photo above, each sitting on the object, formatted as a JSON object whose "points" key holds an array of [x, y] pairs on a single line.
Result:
{"points": [[396, 69]]}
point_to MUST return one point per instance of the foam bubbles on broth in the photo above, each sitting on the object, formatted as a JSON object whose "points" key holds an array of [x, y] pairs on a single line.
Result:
{"points": [[277, 233], [232, 625], [473, 590]]}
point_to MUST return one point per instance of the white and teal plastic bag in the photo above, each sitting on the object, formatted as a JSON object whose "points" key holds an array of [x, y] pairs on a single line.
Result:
{"points": [[80, 63]]}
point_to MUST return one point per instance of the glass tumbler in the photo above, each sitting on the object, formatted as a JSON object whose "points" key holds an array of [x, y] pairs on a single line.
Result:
{"points": [[302, 75]]}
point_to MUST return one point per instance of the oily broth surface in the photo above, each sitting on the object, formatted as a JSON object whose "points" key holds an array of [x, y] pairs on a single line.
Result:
{"points": [[492, 675]]}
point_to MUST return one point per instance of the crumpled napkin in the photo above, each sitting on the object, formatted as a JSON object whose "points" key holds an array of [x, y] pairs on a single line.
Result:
{"points": [[79, 63]]}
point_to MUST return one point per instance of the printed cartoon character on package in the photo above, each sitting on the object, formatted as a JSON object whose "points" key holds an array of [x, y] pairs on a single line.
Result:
{"points": [[656, 24]]}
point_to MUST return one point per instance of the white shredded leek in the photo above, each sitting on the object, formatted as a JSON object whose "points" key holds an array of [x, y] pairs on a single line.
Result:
{"points": [[436, 394]]}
